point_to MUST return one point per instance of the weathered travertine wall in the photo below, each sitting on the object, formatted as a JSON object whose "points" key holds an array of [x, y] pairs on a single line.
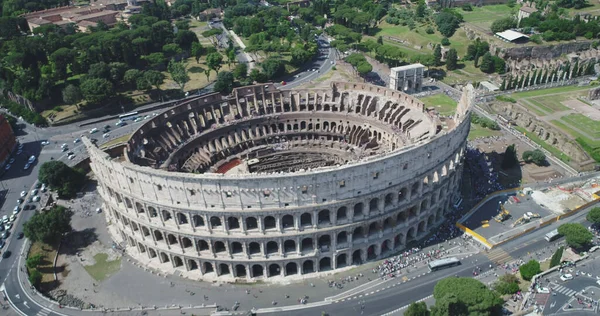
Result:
{"points": [[594, 94], [541, 51]]}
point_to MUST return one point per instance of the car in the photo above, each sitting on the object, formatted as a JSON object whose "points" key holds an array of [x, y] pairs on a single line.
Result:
{"points": [[11, 161], [70, 153], [20, 235], [36, 198], [31, 159], [106, 126], [71, 157], [64, 145], [8, 226], [146, 117], [23, 193], [27, 165], [119, 123], [566, 277], [43, 188], [77, 140], [12, 218], [331, 62], [106, 130], [45, 143], [65, 149], [20, 146], [20, 151], [16, 210], [34, 191], [106, 135], [2, 244], [154, 114], [6, 254], [30, 199], [5, 219], [93, 140], [139, 119], [7, 166], [19, 201], [38, 185], [93, 130], [589, 275], [5, 235]]}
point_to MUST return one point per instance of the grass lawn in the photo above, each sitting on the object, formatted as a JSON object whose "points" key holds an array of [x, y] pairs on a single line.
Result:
{"points": [[196, 73], [546, 92], [115, 141], [468, 73], [478, 131], [536, 108], [484, 16], [102, 269], [583, 123], [555, 152], [67, 111], [46, 266], [441, 102]]}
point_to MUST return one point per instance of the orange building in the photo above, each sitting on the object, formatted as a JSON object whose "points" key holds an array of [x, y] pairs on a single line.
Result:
{"points": [[7, 140]]}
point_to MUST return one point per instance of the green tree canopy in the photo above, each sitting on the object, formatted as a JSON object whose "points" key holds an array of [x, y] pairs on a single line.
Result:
{"points": [[576, 235], [241, 71], [536, 156], [447, 23], [465, 296], [487, 63], [48, 226], [62, 178], [510, 158], [214, 61], [71, 94], [503, 24], [273, 67], [451, 59], [224, 82], [178, 73], [35, 277], [529, 269], [594, 216], [96, 90], [417, 309], [34, 261]]}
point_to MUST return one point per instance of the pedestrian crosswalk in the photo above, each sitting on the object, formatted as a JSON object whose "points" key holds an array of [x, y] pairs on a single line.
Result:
{"points": [[43, 312], [563, 290], [499, 256]]}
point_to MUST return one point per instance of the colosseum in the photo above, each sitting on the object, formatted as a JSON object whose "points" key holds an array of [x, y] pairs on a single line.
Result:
{"points": [[268, 183]]}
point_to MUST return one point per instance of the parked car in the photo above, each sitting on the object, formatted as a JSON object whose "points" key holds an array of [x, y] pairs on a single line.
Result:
{"points": [[23, 193], [20, 235], [77, 140], [7, 166], [45, 142], [566, 277], [93, 130], [6, 254], [31, 159], [27, 165], [106, 135]]}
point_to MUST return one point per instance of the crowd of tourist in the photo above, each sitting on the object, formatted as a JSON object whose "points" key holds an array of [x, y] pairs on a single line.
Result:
{"points": [[484, 178]]}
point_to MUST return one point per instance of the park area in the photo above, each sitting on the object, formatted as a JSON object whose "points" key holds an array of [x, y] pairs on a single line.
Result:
{"points": [[442, 103]]}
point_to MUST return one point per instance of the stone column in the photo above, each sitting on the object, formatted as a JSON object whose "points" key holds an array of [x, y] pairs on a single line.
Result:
{"points": [[263, 249], [315, 219], [243, 225], [349, 238], [180, 240], [298, 245], [381, 205], [225, 224], [207, 223], [278, 224], [296, 223], [175, 218], [333, 217], [191, 221], [261, 224], [281, 246]]}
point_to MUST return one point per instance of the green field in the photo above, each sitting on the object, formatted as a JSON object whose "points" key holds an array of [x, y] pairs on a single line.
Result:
{"points": [[546, 92], [441, 102], [484, 16], [478, 131], [102, 269], [584, 123], [555, 152]]}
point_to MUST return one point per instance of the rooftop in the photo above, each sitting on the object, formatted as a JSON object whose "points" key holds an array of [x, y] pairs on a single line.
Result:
{"points": [[406, 67], [510, 35], [94, 15], [528, 9]]}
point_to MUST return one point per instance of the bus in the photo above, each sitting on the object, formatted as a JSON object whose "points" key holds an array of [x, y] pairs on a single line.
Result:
{"points": [[443, 263], [128, 116], [553, 235]]}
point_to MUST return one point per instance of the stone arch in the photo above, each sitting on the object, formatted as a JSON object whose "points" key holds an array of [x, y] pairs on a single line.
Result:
{"points": [[388, 224], [198, 221], [325, 264], [139, 208], [253, 248], [398, 240], [306, 219], [164, 257], [357, 257], [342, 238], [236, 247], [341, 261], [424, 205], [208, 267], [413, 212], [119, 198], [158, 236], [415, 189], [251, 223], [177, 262], [233, 222], [152, 253], [128, 203], [152, 211], [166, 215], [215, 222], [401, 218], [410, 235], [219, 246], [386, 246], [240, 271], [359, 209], [257, 271], [192, 264], [307, 244], [324, 242], [289, 246], [224, 269], [403, 194], [373, 205], [388, 200], [358, 234], [374, 228], [145, 230], [430, 220], [272, 247], [422, 227], [342, 214], [186, 242], [308, 266], [372, 252], [324, 218], [182, 218], [274, 269], [287, 221], [291, 268], [269, 222]]}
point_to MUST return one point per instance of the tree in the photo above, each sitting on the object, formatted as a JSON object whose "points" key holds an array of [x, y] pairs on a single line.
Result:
{"points": [[197, 51], [231, 57], [273, 67], [529, 269], [364, 68], [556, 257], [99, 70], [48, 226], [447, 22], [421, 10], [96, 90], [62, 178], [71, 94], [35, 277], [154, 78], [256, 75], [536, 156], [451, 59], [131, 76], [417, 309], [224, 82], [463, 296], [510, 157], [576, 235], [437, 54], [594, 216], [34, 261], [241, 71], [503, 24], [178, 73], [214, 61], [487, 63], [503, 85]]}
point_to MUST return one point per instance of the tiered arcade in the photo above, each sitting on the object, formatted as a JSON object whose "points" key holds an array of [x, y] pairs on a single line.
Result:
{"points": [[267, 183]]}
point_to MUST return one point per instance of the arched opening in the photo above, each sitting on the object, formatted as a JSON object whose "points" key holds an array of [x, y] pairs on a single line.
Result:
{"points": [[152, 253], [307, 245], [358, 234], [164, 257], [158, 235], [373, 207], [254, 248], [198, 220], [325, 264], [224, 269], [215, 222], [389, 200], [145, 231], [424, 205], [341, 261], [272, 247], [323, 218], [324, 243], [386, 246], [192, 264], [402, 195], [401, 218], [166, 215], [269, 222], [139, 207], [421, 229], [219, 247], [305, 220], [412, 212], [371, 253], [342, 214], [240, 271], [287, 221], [274, 270], [251, 223], [308, 267], [141, 247], [388, 224], [342, 238], [177, 261], [181, 218], [202, 245], [398, 240], [233, 222], [186, 242], [373, 229], [152, 211], [289, 246], [411, 234], [257, 271], [415, 189], [357, 257], [358, 209], [236, 247], [291, 268], [430, 221], [128, 203], [208, 267]]}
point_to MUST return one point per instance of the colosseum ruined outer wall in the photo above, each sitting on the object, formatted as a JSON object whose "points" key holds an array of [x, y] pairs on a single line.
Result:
{"points": [[259, 225]]}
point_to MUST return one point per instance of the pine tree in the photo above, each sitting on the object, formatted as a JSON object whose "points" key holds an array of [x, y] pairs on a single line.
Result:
{"points": [[520, 85], [534, 77], [437, 55], [503, 85], [451, 59], [487, 63], [476, 59], [526, 82], [575, 72], [515, 83], [545, 77]]}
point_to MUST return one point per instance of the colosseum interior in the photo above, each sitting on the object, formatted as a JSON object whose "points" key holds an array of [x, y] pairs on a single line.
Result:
{"points": [[269, 183]]}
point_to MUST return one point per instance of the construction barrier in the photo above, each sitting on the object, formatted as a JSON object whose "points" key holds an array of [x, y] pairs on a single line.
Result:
{"points": [[548, 222], [528, 230], [572, 212], [474, 234]]}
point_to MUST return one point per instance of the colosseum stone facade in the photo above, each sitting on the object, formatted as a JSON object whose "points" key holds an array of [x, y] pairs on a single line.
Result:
{"points": [[268, 182]]}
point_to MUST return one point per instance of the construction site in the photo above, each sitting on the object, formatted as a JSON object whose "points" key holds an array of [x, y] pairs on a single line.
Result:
{"points": [[515, 212]]}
